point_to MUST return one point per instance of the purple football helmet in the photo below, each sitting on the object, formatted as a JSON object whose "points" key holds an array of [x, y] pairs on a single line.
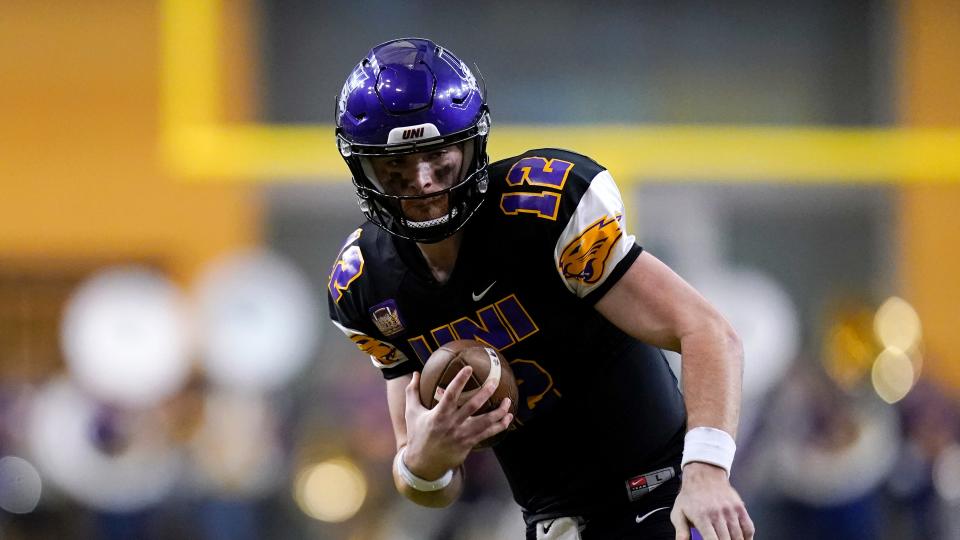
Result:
{"points": [[411, 95]]}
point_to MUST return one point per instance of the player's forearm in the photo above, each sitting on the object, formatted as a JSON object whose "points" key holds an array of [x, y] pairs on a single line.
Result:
{"points": [[712, 368], [435, 499]]}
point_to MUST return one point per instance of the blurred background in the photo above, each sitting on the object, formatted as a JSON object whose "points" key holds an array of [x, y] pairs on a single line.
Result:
{"points": [[171, 201]]}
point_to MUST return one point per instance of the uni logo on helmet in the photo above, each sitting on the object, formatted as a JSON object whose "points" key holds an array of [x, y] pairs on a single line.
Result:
{"points": [[407, 133]]}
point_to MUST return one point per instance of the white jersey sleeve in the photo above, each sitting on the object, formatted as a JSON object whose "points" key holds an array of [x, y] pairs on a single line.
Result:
{"points": [[594, 241]]}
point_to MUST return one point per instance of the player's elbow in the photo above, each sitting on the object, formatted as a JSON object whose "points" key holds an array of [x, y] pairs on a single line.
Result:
{"points": [[734, 344], [713, 331], [728, 339]]}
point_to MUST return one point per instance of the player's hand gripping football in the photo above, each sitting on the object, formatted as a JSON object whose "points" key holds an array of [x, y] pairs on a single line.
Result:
{"points": [[440, 438], [709, 503]]}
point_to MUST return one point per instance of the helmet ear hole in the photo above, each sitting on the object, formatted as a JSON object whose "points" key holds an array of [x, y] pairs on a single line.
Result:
{"points": [[483, 126], [345, 149]]}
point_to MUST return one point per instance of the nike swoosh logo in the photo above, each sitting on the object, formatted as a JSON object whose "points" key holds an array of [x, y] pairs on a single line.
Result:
{"points": [[477, 297], [645, 516]]}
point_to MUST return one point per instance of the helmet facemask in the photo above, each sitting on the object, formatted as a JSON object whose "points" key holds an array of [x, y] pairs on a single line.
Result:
{"points": [[463, 198]]}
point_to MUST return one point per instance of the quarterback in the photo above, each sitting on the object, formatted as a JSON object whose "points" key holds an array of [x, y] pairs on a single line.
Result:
{"points": [[530, 255]]}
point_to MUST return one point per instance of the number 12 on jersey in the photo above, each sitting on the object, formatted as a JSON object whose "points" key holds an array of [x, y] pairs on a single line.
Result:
{"points": [[536, 171]]}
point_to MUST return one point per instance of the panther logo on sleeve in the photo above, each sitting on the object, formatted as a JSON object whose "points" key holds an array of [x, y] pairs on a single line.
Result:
{"points": [[382, 354], [585, 257], [386, 354]]}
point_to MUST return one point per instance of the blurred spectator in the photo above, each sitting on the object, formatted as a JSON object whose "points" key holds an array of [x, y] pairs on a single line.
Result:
{"points": [[930, 422], [831, 453]]}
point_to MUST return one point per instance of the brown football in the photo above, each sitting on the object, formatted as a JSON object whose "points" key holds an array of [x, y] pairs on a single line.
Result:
{"points": [[444, 364]]}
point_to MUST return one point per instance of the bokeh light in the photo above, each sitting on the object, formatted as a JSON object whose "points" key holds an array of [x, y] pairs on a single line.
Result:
{"points": [[892, 375], [20, 485], [125, 336], [65, 451], [897, 324], [332, 491], [259, 321], [946, 474], [849, 346]]}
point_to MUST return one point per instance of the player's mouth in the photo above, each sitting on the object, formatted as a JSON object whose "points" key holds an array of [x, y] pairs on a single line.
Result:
{"points": [[426, 210]]}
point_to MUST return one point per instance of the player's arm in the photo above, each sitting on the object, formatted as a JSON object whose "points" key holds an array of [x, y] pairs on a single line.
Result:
{"points": [[653, 304], [396, 400], [433, 443]]}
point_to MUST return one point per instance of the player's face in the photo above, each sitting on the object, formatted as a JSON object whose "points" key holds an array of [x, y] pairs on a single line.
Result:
{"points": [[420, 174]]}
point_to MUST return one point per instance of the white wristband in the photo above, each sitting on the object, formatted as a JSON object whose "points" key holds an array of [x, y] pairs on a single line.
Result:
{"points": [[415, 481], [709, 445]]}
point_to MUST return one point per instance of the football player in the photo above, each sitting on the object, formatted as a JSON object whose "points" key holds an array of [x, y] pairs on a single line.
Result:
{"points": [[530, 255]]}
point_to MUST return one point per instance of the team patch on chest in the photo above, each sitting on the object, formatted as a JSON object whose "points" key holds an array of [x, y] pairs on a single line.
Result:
{"points": [[386, 317]]}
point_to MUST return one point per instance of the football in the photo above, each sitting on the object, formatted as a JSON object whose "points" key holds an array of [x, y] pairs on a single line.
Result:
{"points": [[444, 364]]}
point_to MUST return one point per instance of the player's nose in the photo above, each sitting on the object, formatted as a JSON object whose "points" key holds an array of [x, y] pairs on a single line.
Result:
{"points": [[426, 180]]}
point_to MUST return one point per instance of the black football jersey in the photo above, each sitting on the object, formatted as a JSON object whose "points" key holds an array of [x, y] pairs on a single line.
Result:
{"points": [[597, 407]]}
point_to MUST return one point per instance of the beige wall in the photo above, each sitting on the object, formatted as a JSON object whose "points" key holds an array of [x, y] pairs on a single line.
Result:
{"points": [[79, 168], [930, 227]]}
